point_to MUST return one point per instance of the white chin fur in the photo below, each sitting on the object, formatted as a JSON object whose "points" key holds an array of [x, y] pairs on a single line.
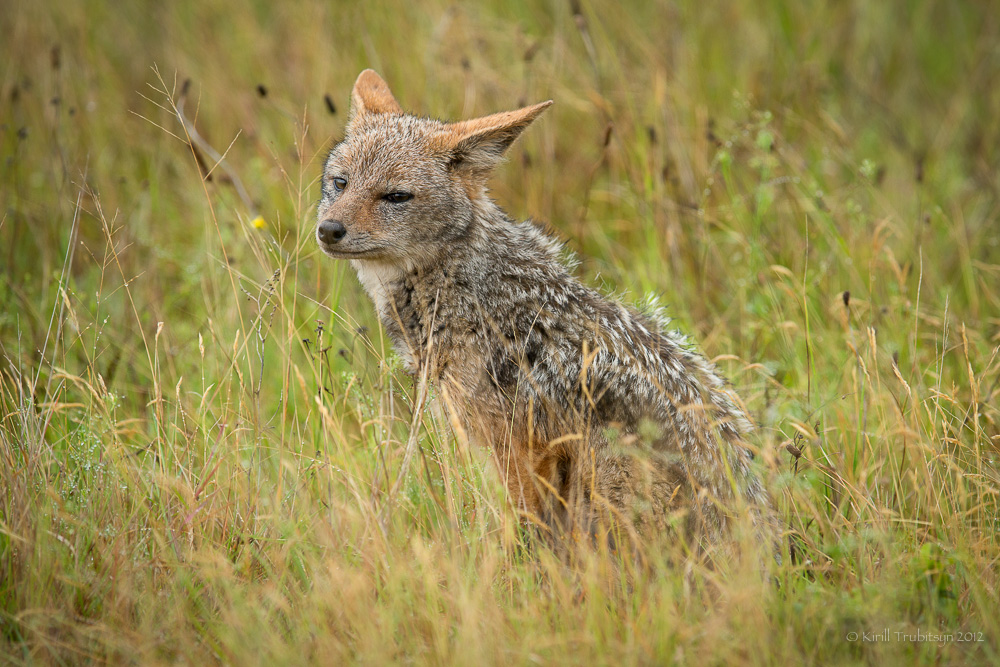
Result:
{"points": [[376, 276]]}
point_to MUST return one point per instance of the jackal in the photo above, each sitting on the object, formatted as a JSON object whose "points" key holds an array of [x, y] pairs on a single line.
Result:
{"points": [[602, 421]]}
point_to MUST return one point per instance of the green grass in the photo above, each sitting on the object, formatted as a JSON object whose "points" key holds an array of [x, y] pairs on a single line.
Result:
{"points": [[201, 420]]}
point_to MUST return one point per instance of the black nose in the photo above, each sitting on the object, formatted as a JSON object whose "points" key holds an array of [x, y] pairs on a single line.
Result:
{"points": [[331, 231]]}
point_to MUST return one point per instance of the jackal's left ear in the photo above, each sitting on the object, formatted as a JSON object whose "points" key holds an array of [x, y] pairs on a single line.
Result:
{"points": [[371, 95], [479, 144]]}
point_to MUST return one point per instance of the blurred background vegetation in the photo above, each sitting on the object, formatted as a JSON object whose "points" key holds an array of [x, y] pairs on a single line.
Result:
{"points": [[200, 419]]}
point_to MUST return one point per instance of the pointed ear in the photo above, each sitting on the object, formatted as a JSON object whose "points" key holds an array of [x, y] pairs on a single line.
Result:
{"points": [[479, 144], [371, 95]]}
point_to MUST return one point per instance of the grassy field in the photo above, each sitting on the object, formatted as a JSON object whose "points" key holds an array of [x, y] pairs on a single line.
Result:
{"points": [[201, 419]]}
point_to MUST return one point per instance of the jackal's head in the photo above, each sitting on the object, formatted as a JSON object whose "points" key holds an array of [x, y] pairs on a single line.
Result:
{"points": [[400, 188]]}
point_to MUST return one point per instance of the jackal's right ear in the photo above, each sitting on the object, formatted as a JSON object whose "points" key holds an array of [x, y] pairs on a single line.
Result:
{"points": [[371, 95], [478, 145]]}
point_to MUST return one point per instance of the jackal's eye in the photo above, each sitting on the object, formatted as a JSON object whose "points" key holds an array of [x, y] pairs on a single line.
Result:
{"points": [[339, 183], [397, 197]]}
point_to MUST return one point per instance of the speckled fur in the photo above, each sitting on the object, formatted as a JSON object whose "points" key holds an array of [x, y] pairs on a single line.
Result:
{"points": [[598, 416]]}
